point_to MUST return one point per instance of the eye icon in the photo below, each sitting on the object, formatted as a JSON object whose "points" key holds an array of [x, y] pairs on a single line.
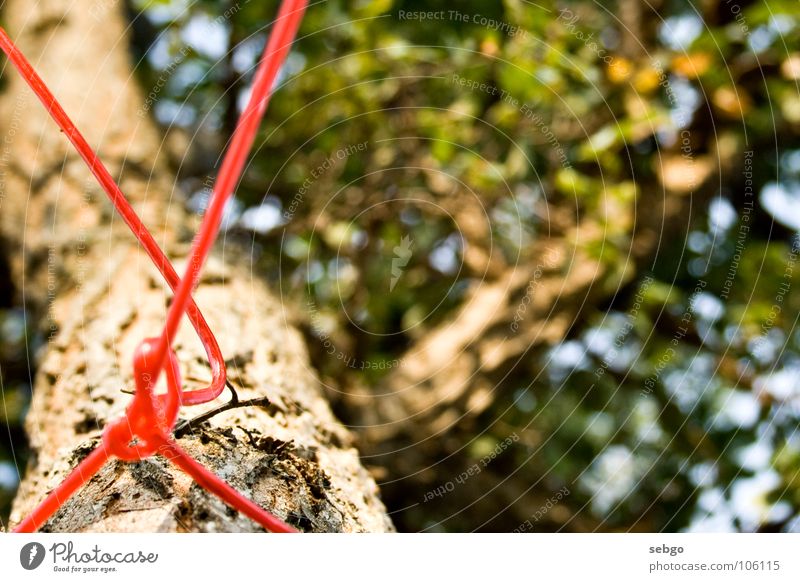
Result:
{"points": [[31, 555]]}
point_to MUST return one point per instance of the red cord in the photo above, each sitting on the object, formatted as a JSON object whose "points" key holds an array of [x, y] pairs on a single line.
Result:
{"points": [[275, 53], [128, 215], [146, 427]]}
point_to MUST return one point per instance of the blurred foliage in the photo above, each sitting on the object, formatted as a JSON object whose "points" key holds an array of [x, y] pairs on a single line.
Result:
{"points": [[14, 393], [408, 158]]}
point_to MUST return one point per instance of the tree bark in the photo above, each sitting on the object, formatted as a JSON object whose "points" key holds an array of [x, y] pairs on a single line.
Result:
{"points": [[78, 269]]}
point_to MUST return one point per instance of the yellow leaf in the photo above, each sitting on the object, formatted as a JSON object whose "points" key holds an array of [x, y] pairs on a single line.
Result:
{"points": [[731, 102], [489, 47], [790, 68], [692, 65], [619, 70], [646, 80], [790, 107], [683, 175]]}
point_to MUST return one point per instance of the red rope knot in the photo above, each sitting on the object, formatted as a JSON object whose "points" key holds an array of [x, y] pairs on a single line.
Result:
{"points": [[149, 417], [146, 428]]}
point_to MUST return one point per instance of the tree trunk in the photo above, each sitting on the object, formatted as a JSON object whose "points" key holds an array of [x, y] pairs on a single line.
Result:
{"points": [[78, 269]]}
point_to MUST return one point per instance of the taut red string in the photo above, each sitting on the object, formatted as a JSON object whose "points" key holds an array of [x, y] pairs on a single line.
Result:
{"points": [[129, 216], [149, 419]]}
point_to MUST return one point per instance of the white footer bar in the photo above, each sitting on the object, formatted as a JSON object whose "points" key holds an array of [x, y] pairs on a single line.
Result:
{"points": [[409, 557]]}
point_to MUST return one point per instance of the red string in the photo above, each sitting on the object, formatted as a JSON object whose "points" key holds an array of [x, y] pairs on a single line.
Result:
{"points": [[149, 419], [129, 216]]}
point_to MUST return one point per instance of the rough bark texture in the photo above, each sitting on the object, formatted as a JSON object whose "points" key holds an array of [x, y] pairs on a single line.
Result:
{"points": [[77, 267]]}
